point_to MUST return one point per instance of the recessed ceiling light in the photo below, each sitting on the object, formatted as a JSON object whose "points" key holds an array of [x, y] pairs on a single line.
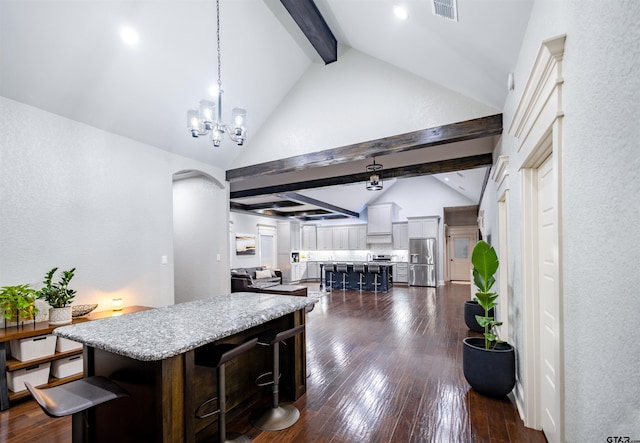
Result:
{"points": [[129, 35], [446, 179], [400, 12]]}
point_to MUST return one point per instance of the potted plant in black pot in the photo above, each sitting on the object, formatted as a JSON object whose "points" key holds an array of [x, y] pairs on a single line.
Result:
{"points": [[59, 296], [473, 309], [488, 363]]}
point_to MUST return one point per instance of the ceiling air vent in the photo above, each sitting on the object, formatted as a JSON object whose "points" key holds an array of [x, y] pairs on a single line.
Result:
{"points": [[446, 8]]}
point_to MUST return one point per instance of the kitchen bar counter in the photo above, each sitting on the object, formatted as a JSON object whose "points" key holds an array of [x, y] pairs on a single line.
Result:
{"points": [[353, 278], [161, 333], [151, 354]]}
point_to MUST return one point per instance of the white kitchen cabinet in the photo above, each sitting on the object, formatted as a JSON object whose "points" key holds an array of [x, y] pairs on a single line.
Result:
{"points": [[423, 227], [379, 219], [400, 236], [357, 237], [288, 237], [340, 238], [295, 237], [295, 272], [401, 273], [313, 271], [325, 238], [309, 239]]}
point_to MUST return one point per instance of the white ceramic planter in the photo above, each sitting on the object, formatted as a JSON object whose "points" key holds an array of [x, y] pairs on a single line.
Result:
{"points": [[60, 316]]}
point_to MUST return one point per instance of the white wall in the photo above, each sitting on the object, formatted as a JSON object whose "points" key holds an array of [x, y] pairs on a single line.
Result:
{"points": [[248, 224], [599, 191], [72, 195], [200, 207], [355, 99]]}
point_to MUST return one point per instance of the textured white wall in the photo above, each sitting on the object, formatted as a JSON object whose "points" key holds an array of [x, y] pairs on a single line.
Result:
{"points": [[72, 195], [355, 99], [599, 191], [200, 206]]}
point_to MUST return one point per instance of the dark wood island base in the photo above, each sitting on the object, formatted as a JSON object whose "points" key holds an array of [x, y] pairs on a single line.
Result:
{"points": [[165, 394], [166, 388]]}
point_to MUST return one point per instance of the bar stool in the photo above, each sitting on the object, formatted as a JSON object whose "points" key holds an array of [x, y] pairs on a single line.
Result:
{"points": [[277, 417], [329, 268], [341, 268], [360, 268], [74, 398], [374, 269], [216, 356]]}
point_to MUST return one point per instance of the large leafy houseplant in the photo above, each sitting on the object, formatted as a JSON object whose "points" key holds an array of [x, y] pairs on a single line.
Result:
{"points": [[57, 294], [487, 362], [485, 264], [18, 302]]}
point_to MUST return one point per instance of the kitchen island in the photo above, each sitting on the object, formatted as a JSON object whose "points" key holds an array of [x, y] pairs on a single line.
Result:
{"points": [[352, 280], [151, 355]]}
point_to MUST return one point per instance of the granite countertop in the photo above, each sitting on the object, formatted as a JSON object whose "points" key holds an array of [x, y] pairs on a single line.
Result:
{"points": [[161, 333]]}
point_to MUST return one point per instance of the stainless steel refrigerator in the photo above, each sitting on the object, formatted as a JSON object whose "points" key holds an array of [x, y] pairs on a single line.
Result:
{"points": [[422, 262]]}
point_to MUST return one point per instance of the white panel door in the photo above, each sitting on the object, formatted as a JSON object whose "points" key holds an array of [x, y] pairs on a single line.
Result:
{"points": [[460, 247], [550, 369]]}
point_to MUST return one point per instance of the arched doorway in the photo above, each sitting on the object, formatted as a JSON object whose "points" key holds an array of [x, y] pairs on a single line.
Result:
{"points": [[200, 248]]}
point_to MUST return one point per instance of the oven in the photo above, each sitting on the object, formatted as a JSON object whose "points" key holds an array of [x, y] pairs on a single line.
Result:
{"points": [[385, 259]]}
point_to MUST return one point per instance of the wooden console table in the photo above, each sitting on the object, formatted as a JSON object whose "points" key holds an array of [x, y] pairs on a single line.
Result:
{"points": [[34, 330]]}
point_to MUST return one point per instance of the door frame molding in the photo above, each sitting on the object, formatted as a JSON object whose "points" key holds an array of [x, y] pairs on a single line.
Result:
{"points": [[537, 126]]}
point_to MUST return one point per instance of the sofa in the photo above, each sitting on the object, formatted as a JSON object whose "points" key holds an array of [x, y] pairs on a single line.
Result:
{"points": [[254, 279]]}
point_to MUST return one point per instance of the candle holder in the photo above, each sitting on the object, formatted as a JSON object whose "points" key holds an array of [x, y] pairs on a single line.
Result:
{"points": [[116, 304]]}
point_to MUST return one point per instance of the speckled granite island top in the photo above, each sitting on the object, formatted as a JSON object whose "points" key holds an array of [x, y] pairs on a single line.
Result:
{"points": [[161, 333]]}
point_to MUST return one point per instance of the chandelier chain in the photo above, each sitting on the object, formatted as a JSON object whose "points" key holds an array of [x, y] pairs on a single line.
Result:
{"points": [[218, 37]]}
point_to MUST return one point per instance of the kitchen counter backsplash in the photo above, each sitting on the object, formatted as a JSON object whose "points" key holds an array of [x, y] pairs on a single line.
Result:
{"points": [[353, 256]]}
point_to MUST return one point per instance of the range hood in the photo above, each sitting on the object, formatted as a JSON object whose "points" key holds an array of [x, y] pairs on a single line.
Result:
{"points": [[379, 239]]}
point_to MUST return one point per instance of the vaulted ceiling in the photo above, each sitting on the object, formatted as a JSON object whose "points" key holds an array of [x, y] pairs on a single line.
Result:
{"points": [[67, 57]]}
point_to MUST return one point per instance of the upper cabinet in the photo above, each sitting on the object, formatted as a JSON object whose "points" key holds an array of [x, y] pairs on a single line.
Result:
{"points": [[340, 237], [423, 227], [358, 237], [324, 235], [400, 236], [309, 239], [288, 237], [380, 220]]}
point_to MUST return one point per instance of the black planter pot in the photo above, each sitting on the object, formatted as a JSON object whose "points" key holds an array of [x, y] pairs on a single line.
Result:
{"points": [[471, 309], [490, 372]]}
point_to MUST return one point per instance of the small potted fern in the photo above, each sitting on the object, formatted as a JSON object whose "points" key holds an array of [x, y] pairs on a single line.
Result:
{"points": [[59, 296], [488, 363]]}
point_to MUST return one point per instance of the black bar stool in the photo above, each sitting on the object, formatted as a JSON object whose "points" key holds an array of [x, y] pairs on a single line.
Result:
{"points": [[277, 417], [360, 268], [374, 269], [341, 268], [215, 356], [74, 398], [330, 269]]}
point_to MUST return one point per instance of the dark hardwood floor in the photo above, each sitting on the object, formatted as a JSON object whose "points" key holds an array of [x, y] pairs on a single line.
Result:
{"points": [[381, 368]]}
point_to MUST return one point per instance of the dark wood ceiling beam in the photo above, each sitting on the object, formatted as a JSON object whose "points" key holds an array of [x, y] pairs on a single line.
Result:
{"points": [[267, 205], [455, 132], [319, 203], [457, 164], [306, 15]]}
